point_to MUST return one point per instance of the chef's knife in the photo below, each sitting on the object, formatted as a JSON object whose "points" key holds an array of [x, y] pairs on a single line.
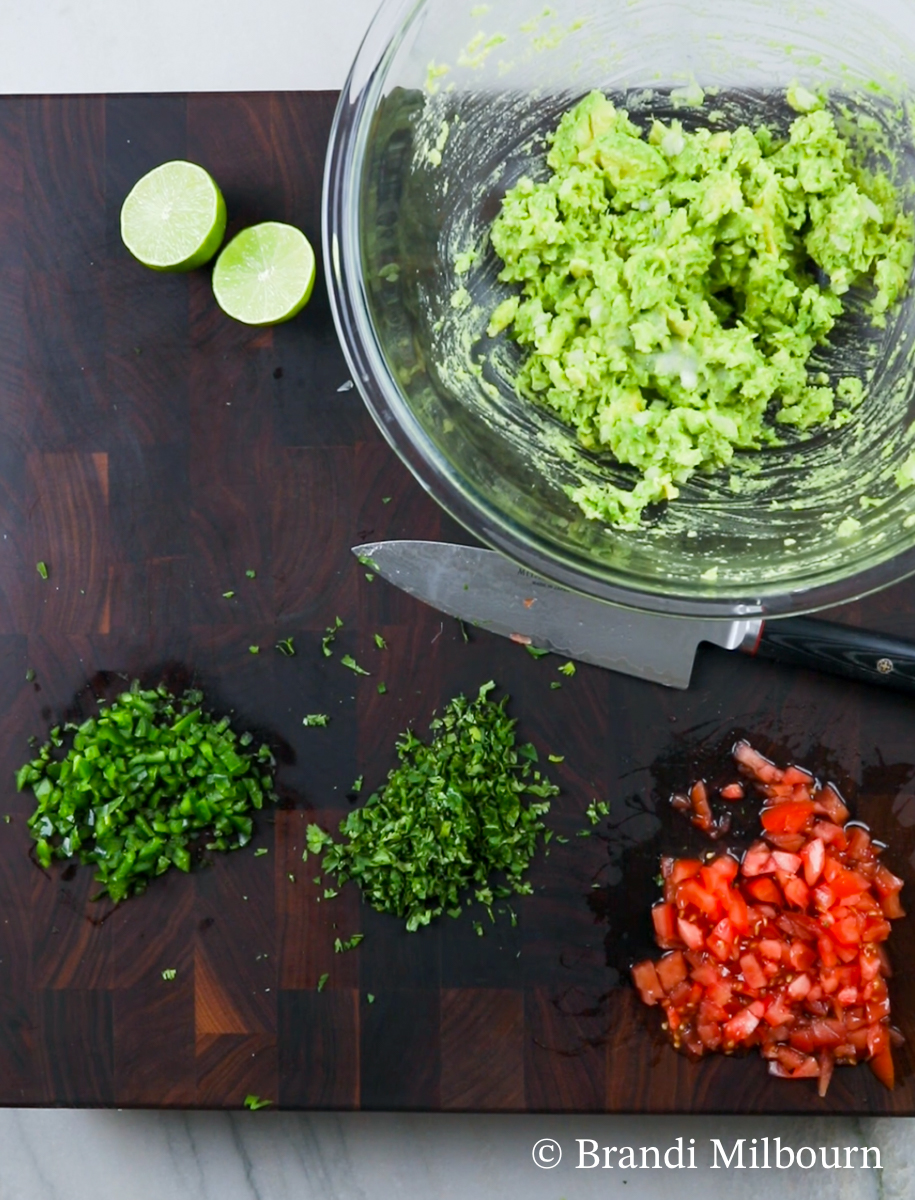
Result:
{"points": [[483, 588]]}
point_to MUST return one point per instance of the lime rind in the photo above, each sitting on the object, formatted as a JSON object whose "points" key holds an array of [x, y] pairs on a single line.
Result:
{"points": [[174, 218], [265, 275]]}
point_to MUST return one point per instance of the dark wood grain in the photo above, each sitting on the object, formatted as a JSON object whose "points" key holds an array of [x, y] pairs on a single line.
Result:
{"points": [[152, 452]]}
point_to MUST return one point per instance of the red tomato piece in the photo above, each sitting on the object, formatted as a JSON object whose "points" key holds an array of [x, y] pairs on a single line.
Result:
{"points": [[684, 868], [849, 953], [770, 948], [799, 987], [831, 834], [740, 1026], [758, 860], [882, 1066], [892, 907], [793, 842], [692, 892], [801, 955], [710, 1013], [796, 891], [876, 1010], [764, 888], [813, 856], [738, 913], [876, 930], [707, 974], [702, 810], [858, 1039], [877, 1038], [753, 972], [859, 844], [758, 766], [796, 775], [732, 791], [780, 1012], [846, 931], [829, 979], [801, 1038], [827, 1033], [664, 918], [780, 1072], [671, 970], [645, 978], [828, 802], [809, 1069], [799, 925], [684, 994], [722, 993], [791, 863], [827, 1063], [824, 897], [869, 963], [722, 870], [777, 792], [790, 1058], [844, 882], [709, 1034], [791, 817], [886, 883], [866, 903], [690, 934], [827, 949]]}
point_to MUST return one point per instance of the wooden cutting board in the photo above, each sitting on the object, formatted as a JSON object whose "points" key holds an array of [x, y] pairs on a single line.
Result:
{"points": [[152, 451]]}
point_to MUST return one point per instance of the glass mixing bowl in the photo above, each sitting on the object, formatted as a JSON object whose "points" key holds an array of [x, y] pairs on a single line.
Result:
{"points": [[446, 106]]}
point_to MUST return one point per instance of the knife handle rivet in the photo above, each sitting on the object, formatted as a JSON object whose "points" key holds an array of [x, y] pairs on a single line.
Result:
{"points": [[884, 665]]}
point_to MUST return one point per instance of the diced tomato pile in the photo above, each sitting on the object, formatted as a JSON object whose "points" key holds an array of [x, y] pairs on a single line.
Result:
{"points": [[782, 950]]}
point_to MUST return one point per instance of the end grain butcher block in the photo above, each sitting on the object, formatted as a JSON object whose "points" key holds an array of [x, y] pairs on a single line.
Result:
{"points": [[152, 453]]}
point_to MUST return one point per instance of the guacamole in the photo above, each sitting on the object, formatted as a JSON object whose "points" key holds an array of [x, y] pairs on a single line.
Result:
{"points": [[673, 285]]}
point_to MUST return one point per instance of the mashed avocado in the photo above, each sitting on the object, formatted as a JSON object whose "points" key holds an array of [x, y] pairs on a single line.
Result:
{"points": [[674, 285]]}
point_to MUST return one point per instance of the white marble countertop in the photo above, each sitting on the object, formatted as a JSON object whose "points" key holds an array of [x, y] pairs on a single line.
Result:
{"points": [[226, 45]]}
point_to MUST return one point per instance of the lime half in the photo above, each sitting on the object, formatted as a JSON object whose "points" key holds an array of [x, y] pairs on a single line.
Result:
{"points": [[174, 218], [265, 274]]}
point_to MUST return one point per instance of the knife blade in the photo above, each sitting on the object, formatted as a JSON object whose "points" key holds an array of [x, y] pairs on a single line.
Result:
{"points": [[485, 589]]}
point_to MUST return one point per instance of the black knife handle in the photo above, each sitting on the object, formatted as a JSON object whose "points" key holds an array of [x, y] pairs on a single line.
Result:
{"points": [[839, 649]]}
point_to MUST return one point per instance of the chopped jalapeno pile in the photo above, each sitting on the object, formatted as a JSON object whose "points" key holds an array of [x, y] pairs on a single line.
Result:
{"points": [[782, 950], [150, 775], [449, 818]]}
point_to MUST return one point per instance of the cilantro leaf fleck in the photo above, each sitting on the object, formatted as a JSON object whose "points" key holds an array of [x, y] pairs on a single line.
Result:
{"points": [[348, 661]]}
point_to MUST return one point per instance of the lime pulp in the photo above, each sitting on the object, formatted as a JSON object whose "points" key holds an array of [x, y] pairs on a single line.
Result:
{"points": [[174, 217], [265, 275]]}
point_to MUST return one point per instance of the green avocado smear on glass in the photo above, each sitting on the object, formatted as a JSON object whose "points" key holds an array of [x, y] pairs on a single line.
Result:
{"points": [[668, 295]]}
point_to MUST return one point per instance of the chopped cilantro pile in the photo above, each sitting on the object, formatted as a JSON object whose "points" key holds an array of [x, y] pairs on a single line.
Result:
{"points": [[141, 782], [451, 817]]}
